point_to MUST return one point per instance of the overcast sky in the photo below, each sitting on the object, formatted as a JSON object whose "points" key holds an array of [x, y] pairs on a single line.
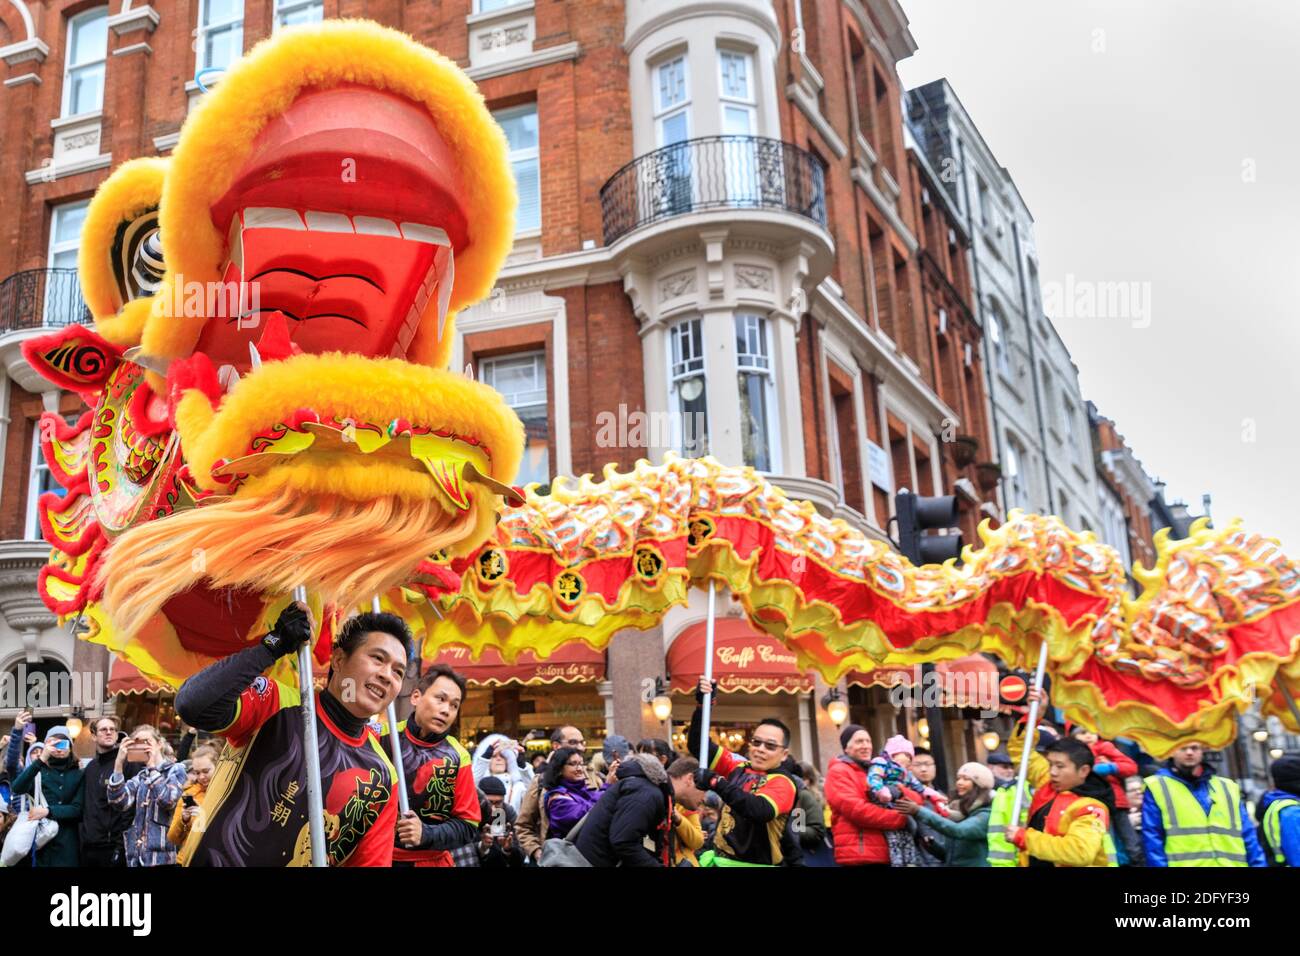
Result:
{"points": [[1157, 143]]}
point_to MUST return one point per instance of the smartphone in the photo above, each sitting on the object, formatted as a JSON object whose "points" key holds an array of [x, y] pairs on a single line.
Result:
{"points": [[188, 800], [136, 754], [497, 830], [29, 728]]}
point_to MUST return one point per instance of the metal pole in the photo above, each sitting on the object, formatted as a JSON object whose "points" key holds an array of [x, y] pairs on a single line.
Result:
{"points": [[1290, 701], [934, 719], [1030, 728], [311, 746], [708, 673], [395, 740]]}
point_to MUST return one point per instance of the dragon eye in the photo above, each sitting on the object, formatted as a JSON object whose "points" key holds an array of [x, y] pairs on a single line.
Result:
{"points": [[148, 267]]}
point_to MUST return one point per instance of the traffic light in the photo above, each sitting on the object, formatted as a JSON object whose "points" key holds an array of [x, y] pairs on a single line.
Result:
{"points": [[918, 514]]}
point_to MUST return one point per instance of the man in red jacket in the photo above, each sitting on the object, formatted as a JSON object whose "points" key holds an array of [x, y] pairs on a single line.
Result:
{"points": [[1114, 766], [858, 823]]}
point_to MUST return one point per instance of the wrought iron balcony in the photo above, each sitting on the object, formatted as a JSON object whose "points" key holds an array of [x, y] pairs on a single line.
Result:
{"points": [[713, 172], [41, 298]]}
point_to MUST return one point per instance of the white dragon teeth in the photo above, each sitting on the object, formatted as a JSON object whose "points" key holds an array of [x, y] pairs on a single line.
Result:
{"points": [[267, 217], [328, 221], [138, 355], [407, 332], [418, 232], [314, 220], [437, 281], [228, 376], [235, 241], [375, 226], [446, 260]]}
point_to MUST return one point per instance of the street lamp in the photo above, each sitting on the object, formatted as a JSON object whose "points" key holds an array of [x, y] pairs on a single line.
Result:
{"points": [[1260, 735], [662, 705], [923, 728], [991, 741], [836, 707], [1276, 753]]}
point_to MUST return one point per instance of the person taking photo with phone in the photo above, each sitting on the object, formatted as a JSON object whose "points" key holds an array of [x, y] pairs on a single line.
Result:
{"points": [[103, 826], [152, 794], [62, 791], [189, 812], [497, 847], [23, 744]]}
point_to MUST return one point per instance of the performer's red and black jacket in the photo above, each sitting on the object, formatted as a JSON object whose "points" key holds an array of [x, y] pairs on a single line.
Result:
{"points": [[255, 811], [755, 806], [441, 791]]}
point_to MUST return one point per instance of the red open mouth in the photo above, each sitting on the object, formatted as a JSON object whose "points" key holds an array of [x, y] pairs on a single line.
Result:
{"points": [[344, 218]]}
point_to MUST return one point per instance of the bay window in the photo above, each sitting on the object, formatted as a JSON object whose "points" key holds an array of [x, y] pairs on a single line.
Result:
{"points": [[754, 374], [671, 169], [739, 122], [690, 427]]}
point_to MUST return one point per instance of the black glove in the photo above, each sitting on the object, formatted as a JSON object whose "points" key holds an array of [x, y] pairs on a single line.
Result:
{"points": [[706, 779], [292, 630], [699, 698]]}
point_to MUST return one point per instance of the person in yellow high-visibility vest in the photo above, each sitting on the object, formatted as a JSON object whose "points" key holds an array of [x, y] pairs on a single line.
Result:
{"points": [[1002, 853], [1193, 817], [1279, 812], [1069, 815]]}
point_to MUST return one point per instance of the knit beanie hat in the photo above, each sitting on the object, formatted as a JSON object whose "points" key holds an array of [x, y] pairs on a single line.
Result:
{"points": [[898, 744], [847, 734], [615, 748], [1286, 773], [979, 774], [492, 786]]}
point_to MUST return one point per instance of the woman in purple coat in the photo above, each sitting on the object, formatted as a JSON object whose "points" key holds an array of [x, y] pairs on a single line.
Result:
{"points": [[566, 797]]}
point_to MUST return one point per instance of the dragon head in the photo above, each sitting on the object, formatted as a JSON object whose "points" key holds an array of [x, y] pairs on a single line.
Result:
{"points": [[275, 308]]}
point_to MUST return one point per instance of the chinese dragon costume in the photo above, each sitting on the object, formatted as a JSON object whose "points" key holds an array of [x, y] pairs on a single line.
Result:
{"points": [[274, 308]]}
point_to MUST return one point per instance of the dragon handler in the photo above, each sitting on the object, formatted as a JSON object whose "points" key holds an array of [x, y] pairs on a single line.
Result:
{"points": [[440, 785], [256, 810]]}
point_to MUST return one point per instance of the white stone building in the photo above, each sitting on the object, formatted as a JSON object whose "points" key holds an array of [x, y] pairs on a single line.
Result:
{"points": [[1037, 411]]}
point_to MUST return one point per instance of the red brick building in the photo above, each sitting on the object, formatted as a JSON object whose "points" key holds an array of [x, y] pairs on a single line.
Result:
{"points": [[726, 236]]}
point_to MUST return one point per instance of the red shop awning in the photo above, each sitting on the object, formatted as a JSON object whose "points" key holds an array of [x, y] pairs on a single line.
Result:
{"points": [[743, 660], [571, 663], [124, 678], [970, 681]]}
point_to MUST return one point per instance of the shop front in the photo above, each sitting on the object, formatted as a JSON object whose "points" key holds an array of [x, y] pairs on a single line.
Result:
{"points": [[137, 700], [530, 696], [757, 677]]}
